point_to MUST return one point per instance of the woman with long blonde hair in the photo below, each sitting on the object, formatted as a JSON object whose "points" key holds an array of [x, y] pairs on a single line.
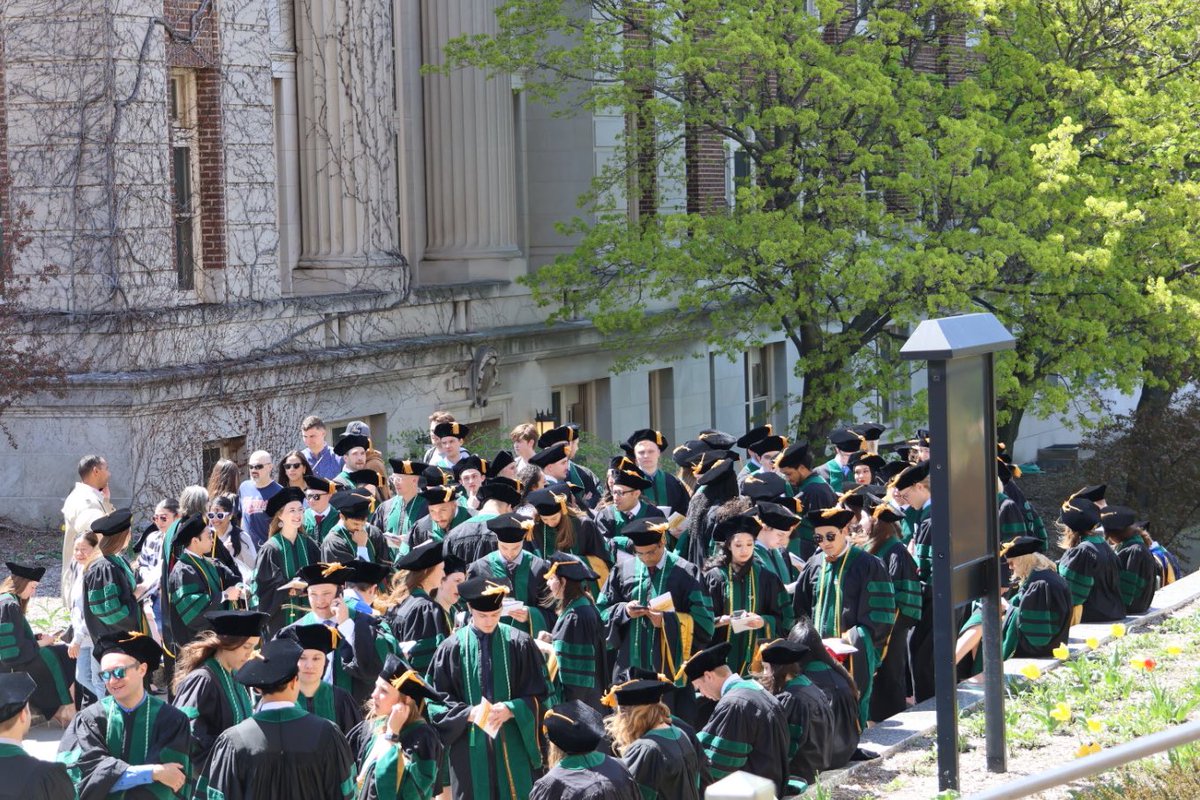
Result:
{"points": [[413, 615], [659, 755]]}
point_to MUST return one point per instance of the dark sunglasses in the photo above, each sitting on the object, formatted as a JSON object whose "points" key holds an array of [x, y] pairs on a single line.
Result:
{"points": [[116, 672], [161, 518], [293, 466], [314, 495], [829, 537], [256, 466]]}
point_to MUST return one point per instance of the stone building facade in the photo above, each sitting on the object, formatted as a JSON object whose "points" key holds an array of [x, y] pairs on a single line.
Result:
{"points": [[239, 213]]}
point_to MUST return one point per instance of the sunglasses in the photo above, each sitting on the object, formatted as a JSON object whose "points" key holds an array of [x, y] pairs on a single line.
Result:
{"points": [[314, 495], [256, 466], [161, 518], [107, 675], [293, 466], [829, 537], [218, 515]]}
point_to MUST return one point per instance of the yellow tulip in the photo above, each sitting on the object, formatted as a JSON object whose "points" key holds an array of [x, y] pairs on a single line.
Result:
{"points": [[1174, 649], [1087, 749], [1031, 671], [1092, 642], [1118, 630], [1062, 653], [1095, 725], [1061, 712]]}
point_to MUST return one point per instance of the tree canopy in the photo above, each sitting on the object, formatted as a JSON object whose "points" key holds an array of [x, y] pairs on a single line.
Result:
{"points": [[907, 158]]}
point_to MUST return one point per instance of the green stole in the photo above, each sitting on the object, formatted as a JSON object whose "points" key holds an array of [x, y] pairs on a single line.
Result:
{"points": [[519, 739], [584, 761], [657, 492], [142, 720], [836, 476], [520, 580], [294, 557], [403, 515], [332, 515], [395, 779], [321, 703], [44, 653], [742, 594], [774, 560], [237, 694]]}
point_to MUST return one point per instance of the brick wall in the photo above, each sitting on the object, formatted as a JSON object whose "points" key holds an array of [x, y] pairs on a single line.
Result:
{"points": [[705, 159]]}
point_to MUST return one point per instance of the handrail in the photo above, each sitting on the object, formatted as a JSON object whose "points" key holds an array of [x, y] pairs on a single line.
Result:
{"points": [[1087, 766]]}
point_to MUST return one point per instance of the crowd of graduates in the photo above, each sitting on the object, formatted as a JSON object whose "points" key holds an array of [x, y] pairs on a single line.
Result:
{"points": [[520, 627]]}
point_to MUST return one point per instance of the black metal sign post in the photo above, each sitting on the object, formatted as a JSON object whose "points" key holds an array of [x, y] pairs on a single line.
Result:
{"points": [[962, 470]]}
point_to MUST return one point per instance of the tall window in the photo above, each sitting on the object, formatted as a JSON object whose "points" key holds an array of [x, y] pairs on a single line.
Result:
{"points": [[766, 386], [181, 108], [232, 448]]}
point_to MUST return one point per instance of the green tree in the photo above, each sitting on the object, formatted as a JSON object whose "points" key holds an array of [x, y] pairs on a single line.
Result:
{"points": [[906, 159]]}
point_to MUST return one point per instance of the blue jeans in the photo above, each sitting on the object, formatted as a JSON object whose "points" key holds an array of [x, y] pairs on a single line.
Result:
{"points": [[87, 672]]}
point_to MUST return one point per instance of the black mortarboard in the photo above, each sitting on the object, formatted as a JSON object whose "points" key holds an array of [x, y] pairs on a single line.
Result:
{"points": [[367, 572], [706, 660], [425, 555], [319, 484], [545, 502], [618, 463], [366, 477], [831, 517], [549, 455], [890, 470], [112, 524], [237, 623], [410, 683], [632, 478], [564, 434], [393, 667], [638, 692], [1092, 493], [794, 455], [783, 651], [872, 460], [276, 663], [323, 572], [484, 593], [871, 431], [437, 495], [510, 528], [846, 440], [884, 512], [288, 494], [1117, 518], [436, 476], [503, 490], [768, 444], [857, 498], [572, 569], [738, 523], [189, 528], [28, 573], [922, 437], [903, 450], [15, 690], [351, 505], [350, 441], [468, 462], [404, 466], [133, 644], [1004, 469], [776, 516], [313, 637], [686, 454], [763, 485], [718, 440], [455, 429], [1080, 515], [648, 435], [573, 727], [645, 531], [716, 469], [453, 564], [910, 476], [1021, 546], [754, 434], [499, 463]]}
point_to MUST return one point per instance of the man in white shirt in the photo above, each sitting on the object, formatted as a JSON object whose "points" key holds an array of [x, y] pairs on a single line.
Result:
{"points": [[86, 502]]}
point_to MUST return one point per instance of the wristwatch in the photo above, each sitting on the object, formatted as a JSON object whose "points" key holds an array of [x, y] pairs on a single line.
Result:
{"points": [[391, 737]]}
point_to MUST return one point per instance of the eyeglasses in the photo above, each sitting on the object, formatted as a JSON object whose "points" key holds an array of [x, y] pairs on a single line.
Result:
{"points": [[293, 466], [314, 495], [107, 675], [218, 515], [257, 466], [829, 537], [622, 492], [161, 518]]}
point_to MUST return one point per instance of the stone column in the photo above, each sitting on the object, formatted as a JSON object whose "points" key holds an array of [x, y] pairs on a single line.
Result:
{"points": [[470, 155], [346, 105]]}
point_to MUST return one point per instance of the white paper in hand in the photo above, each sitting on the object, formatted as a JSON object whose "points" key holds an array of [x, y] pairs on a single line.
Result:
{"points": [[740, 623], [482, 717], [796, 560], [839, 647], [663, 602]]}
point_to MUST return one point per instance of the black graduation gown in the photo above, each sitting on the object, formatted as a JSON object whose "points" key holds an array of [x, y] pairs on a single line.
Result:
{"points": [[588, 495], [195, 586], [50, 667], [28, 778], [889, 695], [747, 731], [1139, 573], [529, 586], [842, 740], [110, 606], [579, 647], [1040, 618], [755, 588], [810, 727], [214, 702], [95, 767], [427, 529], [593, 776], [277, 563], [589, 545], [665, 765], [418, 619], [695, 538], [464, 672], [610, 522], [338, 546], [282, 752], [333, 704], [667, 491], [471, 540], [360, 654], [379, 765], [1093, 572]]}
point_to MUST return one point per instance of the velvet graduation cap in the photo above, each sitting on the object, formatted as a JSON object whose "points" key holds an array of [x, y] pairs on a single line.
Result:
{"points": [[113, 524], [28, 573], [706, 660], [288, 494], [277, 663], [573, 727], [484, 593], [425, 555], [15, 690], [133, 644]]}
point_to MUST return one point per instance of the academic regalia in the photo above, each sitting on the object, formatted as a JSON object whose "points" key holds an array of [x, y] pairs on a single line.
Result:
{"points": [[810, 727], [579, 646], [110, 605], [503, 666], [747, 731], [50, 667], [611, 522], [471, 540], [844, 709], [1139, 573], [588, 493], [334, 704], [666, 491], [589, 545], [1011, 519], [338, 546], [278, 562], [837, 476], [418, 619], [29, 778], [920, 643], [196, 585], [889, 695], [281, 752], [1039, 619], [104, 740], [666, 765], [754, 588], [317, 532], [1033, 520], [426, 529], [359, 654], [850, 598], [593, 776], [396, 517], [636, 641], [815, 494], [695, 542], [214, 702], [403, 770], [529, 586], [1093, 572]]}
